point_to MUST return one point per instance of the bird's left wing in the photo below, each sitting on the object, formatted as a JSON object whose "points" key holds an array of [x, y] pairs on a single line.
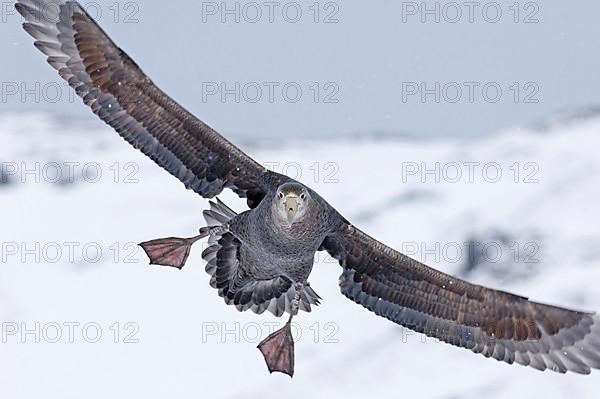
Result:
{"points": [[119, 92], [496, 324]]}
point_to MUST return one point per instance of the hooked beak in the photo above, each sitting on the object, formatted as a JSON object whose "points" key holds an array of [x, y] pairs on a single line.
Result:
{"points": [[291, 207]]}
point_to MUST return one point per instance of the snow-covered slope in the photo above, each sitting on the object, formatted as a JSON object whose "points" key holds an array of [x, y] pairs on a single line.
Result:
{"points": [[535, 232]]}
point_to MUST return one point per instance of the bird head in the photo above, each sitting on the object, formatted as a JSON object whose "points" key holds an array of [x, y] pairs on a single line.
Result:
{"points": [[290, 202]]}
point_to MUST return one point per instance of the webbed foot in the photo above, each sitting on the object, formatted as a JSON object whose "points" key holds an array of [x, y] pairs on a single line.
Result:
{"points": [[278, 351], [174, 251], [171, 251]]}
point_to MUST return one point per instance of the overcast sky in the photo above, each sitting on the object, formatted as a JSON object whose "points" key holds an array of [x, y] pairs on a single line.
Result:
{"points": [[339, 67]]}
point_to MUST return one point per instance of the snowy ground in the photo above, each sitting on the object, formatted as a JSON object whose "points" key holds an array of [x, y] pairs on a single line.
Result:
{"points": [[175, 338]]}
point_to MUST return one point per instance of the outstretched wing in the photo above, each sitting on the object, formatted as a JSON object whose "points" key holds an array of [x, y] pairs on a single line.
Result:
{"points": [[119, 92], [494, 323]]}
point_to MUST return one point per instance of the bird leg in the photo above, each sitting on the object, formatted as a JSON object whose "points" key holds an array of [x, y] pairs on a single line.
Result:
{"points": [[278, 348], [174, 251]]}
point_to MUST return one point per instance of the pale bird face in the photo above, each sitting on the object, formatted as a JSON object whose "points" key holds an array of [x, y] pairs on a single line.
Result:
{"points": [[291, 201]]}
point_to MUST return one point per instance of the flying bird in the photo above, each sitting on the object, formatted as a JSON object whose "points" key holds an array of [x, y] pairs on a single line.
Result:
{"points": [[261, 259]]}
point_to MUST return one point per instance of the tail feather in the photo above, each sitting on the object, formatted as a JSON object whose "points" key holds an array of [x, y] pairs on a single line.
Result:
{"points": [[218, 213]]}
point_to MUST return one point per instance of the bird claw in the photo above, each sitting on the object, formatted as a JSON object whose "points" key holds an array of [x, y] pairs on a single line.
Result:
{"points": [[278, 351], [171, 251]]}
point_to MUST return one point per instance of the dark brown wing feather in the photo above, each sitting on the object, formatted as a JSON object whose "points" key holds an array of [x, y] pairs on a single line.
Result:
{"points": [[119, 92], [496, 324]]}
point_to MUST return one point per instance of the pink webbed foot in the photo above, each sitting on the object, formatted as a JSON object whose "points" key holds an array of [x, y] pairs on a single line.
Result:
{"points": [[171, 251], [174, 251], [278, 351]]}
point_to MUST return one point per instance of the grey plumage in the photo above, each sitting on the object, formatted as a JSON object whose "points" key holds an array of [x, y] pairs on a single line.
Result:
{"points": [[261, 259], [249, 277]]}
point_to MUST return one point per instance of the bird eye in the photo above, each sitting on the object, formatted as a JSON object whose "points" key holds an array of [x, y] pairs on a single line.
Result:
{"points": [[280, 195], [302, 196]]}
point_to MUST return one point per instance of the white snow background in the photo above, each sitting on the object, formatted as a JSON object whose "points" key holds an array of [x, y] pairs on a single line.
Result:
{"points": [[191, 345]]}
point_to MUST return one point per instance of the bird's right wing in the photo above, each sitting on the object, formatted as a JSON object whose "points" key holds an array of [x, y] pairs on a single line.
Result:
{"points": [[119, 92], [496, 324]]}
